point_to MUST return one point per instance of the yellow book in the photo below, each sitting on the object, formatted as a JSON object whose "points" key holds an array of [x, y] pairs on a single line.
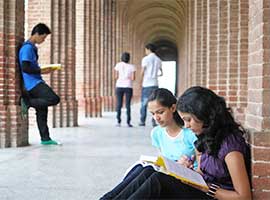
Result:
{"points": [[52, 66], [184, 174]]}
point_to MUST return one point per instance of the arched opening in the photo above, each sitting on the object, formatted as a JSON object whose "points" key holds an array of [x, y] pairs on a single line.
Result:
{"points": [[167, 51]]}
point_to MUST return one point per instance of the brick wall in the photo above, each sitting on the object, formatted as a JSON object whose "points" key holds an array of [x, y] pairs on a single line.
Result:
{"points": [[235, 46]]}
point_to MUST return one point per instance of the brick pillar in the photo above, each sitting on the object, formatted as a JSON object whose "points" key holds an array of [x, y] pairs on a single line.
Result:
{"points": [[199, 36], [95, 100], [194, 37], [111, 54], [204, 41], [82, 57], [190, 42], [183, 57], [98, 48], [258, 107], [212, 41], [103, 77], [87, 28], [105, 33], [13, 130], [242, 87], [233, 52], [223, 36]]}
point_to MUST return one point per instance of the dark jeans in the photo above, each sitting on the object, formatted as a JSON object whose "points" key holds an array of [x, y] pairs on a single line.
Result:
{"points": [[155, 185], [40, 97], [146, 92], [132, 174], [120, 92]]}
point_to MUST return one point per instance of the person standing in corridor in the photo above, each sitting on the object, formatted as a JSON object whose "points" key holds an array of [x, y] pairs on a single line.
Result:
{"points": [[151, 66], [38, 94], [125, 75]]}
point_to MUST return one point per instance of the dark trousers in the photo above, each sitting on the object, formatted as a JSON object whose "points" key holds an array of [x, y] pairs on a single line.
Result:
{"points": [[146, 92], [155, 185], [132, 174], [40, 97], [120, 92]]}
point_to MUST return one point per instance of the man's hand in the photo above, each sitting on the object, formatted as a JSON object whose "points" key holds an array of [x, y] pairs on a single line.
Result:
{"points": [[47, 70]]}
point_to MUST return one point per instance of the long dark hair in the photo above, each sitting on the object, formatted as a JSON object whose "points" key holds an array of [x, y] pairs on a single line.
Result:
{"points": [[165, 98], [217, 119]]}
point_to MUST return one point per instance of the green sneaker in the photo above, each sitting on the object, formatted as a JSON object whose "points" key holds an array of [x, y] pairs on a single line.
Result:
{"points": [[49, 142], [24, 109]]}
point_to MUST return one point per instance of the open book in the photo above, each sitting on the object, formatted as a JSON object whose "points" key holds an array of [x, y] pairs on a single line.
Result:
{"points": [[186, 175], [52, 66]]}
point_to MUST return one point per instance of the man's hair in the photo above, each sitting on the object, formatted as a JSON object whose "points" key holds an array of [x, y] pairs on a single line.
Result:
{"points": [[125, 57], [151, 47], [41, 29]]}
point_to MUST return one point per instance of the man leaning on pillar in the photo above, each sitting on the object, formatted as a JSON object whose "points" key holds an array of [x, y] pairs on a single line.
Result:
{"points": [[37, 93]]}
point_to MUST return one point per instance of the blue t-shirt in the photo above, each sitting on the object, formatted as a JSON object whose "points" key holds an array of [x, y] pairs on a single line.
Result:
{"points": [[28, 52], [174, 147]]}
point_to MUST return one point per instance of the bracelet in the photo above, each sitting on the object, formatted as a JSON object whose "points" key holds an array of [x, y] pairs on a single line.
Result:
{"points": [[212, 190]]}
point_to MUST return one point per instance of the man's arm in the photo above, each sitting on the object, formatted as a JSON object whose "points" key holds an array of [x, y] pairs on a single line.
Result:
{"points": [[133, 76], [26, 68], [141, 75], [161, 71], [116, 74]]}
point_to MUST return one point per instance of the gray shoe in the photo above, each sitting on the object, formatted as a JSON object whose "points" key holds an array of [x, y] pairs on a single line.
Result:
{"points": [[141, 124]]}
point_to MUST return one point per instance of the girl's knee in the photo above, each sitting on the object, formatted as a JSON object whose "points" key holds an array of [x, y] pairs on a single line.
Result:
{"points": [[148, 170]]}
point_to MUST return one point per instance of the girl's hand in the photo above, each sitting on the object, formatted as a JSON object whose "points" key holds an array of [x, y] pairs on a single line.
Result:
{"points": [[187, 161]]}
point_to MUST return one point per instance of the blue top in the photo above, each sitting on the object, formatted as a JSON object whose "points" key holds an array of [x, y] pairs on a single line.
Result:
{"points": [[215, 169], [28, 52], [174, 147]]}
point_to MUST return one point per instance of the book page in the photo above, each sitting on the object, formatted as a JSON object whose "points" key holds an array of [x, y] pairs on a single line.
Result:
{"points": [[53, 66], [151, 159], [187, 174]]}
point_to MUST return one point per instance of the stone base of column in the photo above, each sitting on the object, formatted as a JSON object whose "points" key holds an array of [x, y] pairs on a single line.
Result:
{"points": [[93, 107], [13, 129], [65, 114], [108, 103], [260, 160]]}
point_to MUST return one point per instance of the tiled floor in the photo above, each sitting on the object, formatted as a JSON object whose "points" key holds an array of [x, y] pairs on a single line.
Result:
{"points": [[91, 160]]}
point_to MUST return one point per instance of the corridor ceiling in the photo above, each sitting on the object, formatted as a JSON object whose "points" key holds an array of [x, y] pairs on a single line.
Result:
{"points": [[153, 19], [159, 21]]}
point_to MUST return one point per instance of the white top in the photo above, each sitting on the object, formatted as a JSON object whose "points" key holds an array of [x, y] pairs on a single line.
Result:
{"points": [[125, 71], [151, 64]]}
